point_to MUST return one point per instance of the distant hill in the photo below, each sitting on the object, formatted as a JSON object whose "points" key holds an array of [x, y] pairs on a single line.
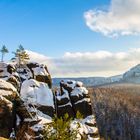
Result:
{"points": [[132, 75], [91, 81]]}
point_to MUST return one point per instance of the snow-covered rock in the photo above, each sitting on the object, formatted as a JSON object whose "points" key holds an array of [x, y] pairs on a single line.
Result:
{"points": [[64, 104], [75, 97], [40, 73], [38, 94], [35, 105], [39, 103], [87, 128], [24, 72], [8, 73]]}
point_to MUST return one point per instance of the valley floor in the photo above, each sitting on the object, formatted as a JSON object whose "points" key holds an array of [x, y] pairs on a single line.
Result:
{"points": [[117, 110]]}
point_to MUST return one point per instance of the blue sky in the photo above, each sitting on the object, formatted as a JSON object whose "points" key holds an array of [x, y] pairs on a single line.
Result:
{"points": [[54, 27], [50, 27]]}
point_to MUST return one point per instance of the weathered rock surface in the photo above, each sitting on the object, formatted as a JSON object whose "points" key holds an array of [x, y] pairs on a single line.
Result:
{"points": [[72, 98], [35, 105], [40, 73], [7, 95], [75, 96], [8, 73]]}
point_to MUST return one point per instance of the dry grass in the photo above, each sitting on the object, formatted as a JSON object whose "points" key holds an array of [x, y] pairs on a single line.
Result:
{"points": [[117, 110]]}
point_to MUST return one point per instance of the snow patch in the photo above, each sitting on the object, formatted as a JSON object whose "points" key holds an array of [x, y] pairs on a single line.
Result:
{"points": [[83, 100], [40, 70], [37, 93]]}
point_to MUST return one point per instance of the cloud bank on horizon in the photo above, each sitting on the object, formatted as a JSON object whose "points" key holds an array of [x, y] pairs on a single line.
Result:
{"points": [[100, 63], [121, 18]]}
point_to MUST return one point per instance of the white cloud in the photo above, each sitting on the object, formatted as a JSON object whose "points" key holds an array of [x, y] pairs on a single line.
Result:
{"points": [[121, 18], [100, 63]]}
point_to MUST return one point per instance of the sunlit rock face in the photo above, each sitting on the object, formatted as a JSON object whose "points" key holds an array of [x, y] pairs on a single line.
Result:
{"points": [[38, 94], [64, 104], [40, 73], [8, 73], [39, 102], [24, 73], [31, 113], [75, 96], [87, 128], [8, 94], [27, 102]]}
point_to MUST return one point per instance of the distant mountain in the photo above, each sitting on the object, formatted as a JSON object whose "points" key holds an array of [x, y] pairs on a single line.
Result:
{"points": [[91, 81], [132, 75]]}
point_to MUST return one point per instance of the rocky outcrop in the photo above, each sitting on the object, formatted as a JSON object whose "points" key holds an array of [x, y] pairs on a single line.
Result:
{"points": [[39, 103], [7, 96], [40, 73], [75, 97], [8, 73], [38, 94], [28, 111], [87, 128]]}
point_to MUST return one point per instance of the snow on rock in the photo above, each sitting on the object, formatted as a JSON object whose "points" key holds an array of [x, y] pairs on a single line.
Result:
{"points": [[79, 91], [8, 73], [71, 84], [72, 98], [24, 73], [37, 93], [77, 95], [40, 73], [6, 70], [6, 88], [36, 104], [44, 119], [40, 70], [8, 94], [65, 95], [64, 104], [85, 130]]}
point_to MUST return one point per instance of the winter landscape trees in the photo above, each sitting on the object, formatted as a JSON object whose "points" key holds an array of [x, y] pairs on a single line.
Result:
{"points": [[3, 51]]}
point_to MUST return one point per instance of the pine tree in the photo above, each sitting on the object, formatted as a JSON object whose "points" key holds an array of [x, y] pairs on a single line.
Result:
{"points": [[21, 56], [3, 51], [60, 129]]}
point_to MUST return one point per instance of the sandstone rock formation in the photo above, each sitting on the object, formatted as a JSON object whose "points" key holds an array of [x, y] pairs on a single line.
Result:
{"points": [[8, 73], [7, 95], [73, 98], [27, 101]]}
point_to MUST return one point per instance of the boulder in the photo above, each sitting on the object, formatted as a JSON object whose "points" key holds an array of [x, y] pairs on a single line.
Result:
{"points": [[24, 73], [40, 73], [38, 94], [78, 96], [8, 73], [86, 128], [64, 104], [37, 110]]}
